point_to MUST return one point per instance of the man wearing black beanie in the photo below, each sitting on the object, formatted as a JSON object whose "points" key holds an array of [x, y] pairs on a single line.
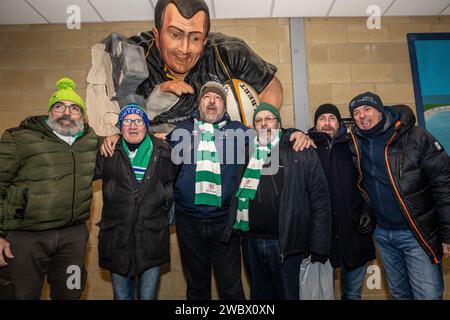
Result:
{"points": [[404, 175], [352, 245]]}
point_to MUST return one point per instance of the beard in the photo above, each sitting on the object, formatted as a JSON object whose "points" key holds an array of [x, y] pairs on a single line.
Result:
{"points": [[70, 130], [208, 117], [327, 129], [266, 136]]}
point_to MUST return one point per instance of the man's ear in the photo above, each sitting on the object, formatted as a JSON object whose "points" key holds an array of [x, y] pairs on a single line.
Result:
{"points": [[156, 35]]}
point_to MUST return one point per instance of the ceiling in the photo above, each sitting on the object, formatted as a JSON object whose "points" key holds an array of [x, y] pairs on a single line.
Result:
{"points": [[55, 11]]}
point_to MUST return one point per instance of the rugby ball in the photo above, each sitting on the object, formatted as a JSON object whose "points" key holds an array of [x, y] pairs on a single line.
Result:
{"points": [[242, 100]]}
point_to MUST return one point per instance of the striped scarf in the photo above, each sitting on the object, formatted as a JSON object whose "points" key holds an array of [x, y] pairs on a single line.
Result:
{"points": [[250, 181], [208, 182], [140, 158]]}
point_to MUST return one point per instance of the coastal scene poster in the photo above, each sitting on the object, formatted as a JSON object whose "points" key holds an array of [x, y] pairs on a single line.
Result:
{"points": [[430, 62]]}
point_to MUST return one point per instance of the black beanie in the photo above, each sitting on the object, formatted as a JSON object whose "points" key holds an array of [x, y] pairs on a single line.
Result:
{"points": [[366, 99], [327, 108]]}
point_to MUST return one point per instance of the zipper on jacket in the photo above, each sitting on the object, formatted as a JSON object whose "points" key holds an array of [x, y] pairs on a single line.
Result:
{"points": [[73, 190], [397, 193], [358, 156], [153, 165]]}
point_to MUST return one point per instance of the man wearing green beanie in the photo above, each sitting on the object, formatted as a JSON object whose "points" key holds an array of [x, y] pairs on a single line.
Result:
{"points": [[46, 170], [280, 191]]}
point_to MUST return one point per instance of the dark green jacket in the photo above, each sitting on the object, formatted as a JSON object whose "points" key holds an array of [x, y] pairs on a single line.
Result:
{"points": [[45, 183]]}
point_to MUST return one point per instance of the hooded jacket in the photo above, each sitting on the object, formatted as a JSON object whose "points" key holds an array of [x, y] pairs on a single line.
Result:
{"points": [[45, 183], [418, 170]]}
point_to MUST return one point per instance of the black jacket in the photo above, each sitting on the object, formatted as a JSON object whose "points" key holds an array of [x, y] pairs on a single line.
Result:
{"points": [[134, 230], [223, 58], [419, 172], [305, 214], [348, 246]]}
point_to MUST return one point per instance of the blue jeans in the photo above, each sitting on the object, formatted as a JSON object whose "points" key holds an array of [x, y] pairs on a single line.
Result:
{"points": [[409, 272], [269, 278], [351, 283], [147, 285]]}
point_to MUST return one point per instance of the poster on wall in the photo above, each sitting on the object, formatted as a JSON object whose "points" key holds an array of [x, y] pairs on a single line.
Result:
{"points": [[430, 65]]}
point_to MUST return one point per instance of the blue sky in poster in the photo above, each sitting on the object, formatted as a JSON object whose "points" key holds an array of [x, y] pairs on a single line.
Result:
{"points": [[434, 67]]}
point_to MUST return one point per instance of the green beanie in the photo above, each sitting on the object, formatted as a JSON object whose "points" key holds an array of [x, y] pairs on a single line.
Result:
{"points": [[268, 107], [66, 91]]}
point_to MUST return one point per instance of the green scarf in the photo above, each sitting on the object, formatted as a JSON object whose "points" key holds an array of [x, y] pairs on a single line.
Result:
{"points": [[208, 182], [250, 181], [140, 158]]}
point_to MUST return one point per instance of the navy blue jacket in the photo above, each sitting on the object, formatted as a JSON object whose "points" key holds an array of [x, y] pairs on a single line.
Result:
{"points": [[227, 146], [376, 180]]}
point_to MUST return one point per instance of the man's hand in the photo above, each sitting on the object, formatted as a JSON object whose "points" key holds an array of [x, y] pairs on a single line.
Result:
{"points": [[318, 258], [366, 224], [5, 249], [446, 249], [301, 141], [177, 87], [109, 145]]}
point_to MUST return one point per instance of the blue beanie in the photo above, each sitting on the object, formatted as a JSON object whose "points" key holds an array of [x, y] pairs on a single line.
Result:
{"points": [[132, 109]]}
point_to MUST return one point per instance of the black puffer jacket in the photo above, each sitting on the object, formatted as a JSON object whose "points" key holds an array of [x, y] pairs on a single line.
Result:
{"points": [[419, 172], [134, 230], [348, 245]]}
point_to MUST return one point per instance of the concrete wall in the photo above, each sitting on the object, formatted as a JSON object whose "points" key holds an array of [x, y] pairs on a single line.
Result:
{"points": [[344, 58], [34, 57]]}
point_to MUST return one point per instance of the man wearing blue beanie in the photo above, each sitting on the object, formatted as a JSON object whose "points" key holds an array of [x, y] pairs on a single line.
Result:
{"points": [[134, 230]]}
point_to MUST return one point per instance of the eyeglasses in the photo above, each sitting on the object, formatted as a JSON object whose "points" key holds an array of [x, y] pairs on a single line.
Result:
{"points": [[61, 108], [268, 120], [137, 122]]}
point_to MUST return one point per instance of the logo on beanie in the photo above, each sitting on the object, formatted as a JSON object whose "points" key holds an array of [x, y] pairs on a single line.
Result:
{"points": [[365, 99]]}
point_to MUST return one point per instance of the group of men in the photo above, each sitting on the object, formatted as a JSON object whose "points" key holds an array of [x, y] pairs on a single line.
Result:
{"points": [[263, 190]]}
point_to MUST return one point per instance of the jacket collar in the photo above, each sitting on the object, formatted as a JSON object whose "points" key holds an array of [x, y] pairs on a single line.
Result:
{"points": [[38, 123], [391, 120], [157, 143], [196, 116], [324, 139]]}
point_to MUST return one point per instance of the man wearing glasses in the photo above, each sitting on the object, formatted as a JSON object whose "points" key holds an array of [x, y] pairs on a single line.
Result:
{"points": [[283, 208], [134, 230], [46, 170]]}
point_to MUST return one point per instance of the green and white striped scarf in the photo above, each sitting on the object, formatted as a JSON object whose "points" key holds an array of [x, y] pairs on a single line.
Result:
{"points": [[140, 157], [208, 182], [250, 181]]}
